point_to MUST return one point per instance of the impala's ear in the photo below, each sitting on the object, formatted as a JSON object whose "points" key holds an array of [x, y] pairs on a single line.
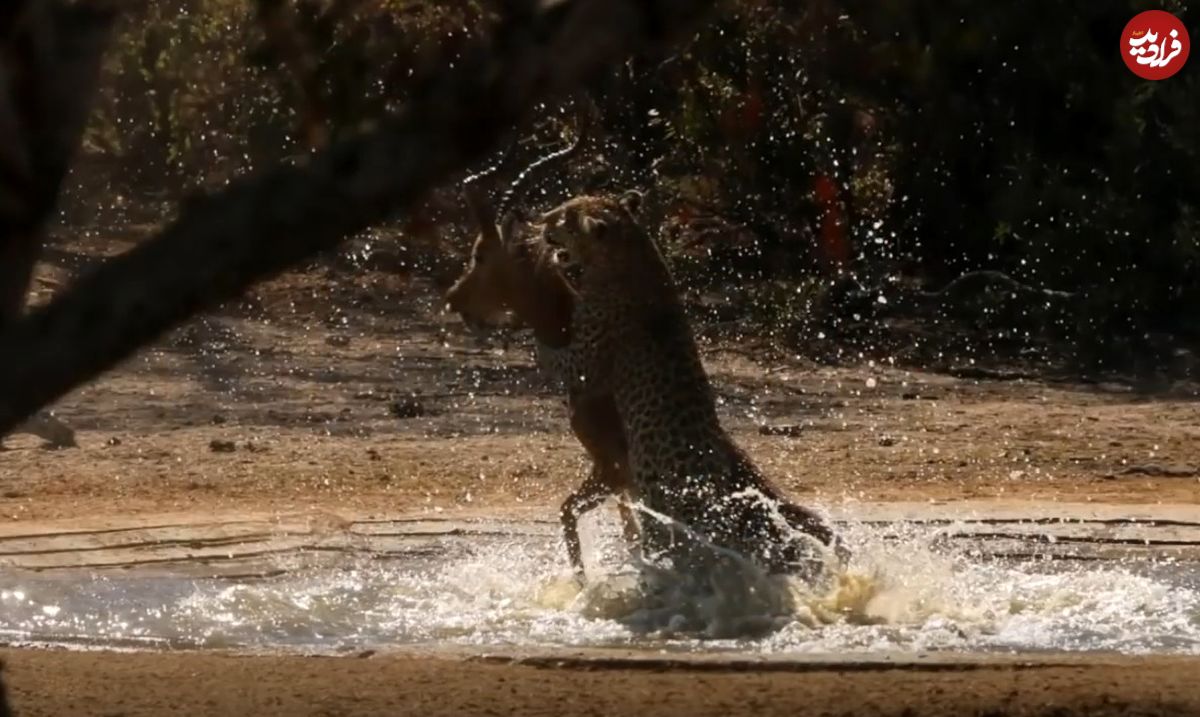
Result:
{"points": [[482, 212], [481, 208], [508, 227], [632, 201]]}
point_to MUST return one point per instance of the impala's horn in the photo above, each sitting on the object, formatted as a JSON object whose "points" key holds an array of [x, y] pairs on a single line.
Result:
{"points": [[583, 123], [478, 203], [482, 211]]}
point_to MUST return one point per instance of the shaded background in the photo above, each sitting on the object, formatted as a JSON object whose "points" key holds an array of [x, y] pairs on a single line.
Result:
{"points": [[822, 173]]}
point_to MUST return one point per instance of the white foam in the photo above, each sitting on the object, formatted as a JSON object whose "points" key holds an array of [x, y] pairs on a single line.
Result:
{"points": [[901, 593]]}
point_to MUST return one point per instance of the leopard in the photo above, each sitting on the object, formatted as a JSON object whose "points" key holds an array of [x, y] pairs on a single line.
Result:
{"points": [[631, 338]]}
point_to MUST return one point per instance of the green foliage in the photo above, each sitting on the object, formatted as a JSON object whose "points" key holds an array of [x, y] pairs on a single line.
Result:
{"points": [[192, 93], [178, 103], [743, 122], [962, 137], [1029, 148]]}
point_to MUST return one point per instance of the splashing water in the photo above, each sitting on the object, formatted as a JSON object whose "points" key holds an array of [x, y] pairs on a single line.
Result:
{"points": [[901, 592]]}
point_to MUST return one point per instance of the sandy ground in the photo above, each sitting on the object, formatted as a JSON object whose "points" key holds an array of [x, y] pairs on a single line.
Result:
{"points": [[311, 395], [49, 684]]}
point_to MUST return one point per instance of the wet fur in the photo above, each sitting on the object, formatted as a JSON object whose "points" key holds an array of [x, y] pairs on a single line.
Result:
{"points": [[631, 339]]}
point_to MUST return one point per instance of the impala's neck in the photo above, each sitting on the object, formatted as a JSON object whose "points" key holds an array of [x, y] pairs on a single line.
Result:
{"points": [[545, 302]]}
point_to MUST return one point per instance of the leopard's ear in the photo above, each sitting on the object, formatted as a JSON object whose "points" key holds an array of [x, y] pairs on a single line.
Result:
{"points": [[508, 226], [632, 201], [581, 223], [592, 226]]}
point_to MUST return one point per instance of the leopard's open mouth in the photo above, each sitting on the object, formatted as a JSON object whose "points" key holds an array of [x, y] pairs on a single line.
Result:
{"points": [[562, 258], [572, 270], [567, 264]]}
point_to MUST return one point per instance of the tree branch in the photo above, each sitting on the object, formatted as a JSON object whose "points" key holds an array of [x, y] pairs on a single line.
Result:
{"points": [[49, 61], [260, 225]]}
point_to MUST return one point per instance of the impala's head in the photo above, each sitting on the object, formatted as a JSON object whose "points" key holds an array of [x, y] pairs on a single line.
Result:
{"points": [[509, 271], [481, 295]]}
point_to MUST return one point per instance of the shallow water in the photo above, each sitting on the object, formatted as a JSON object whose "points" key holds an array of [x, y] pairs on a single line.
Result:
{"points": [[906, 590]]}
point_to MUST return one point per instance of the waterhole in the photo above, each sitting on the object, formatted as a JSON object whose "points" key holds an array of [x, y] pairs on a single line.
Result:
{"points": [[921, 579]]}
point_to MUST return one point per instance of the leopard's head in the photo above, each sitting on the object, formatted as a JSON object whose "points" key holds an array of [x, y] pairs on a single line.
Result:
{"points": [[599, 236]]}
